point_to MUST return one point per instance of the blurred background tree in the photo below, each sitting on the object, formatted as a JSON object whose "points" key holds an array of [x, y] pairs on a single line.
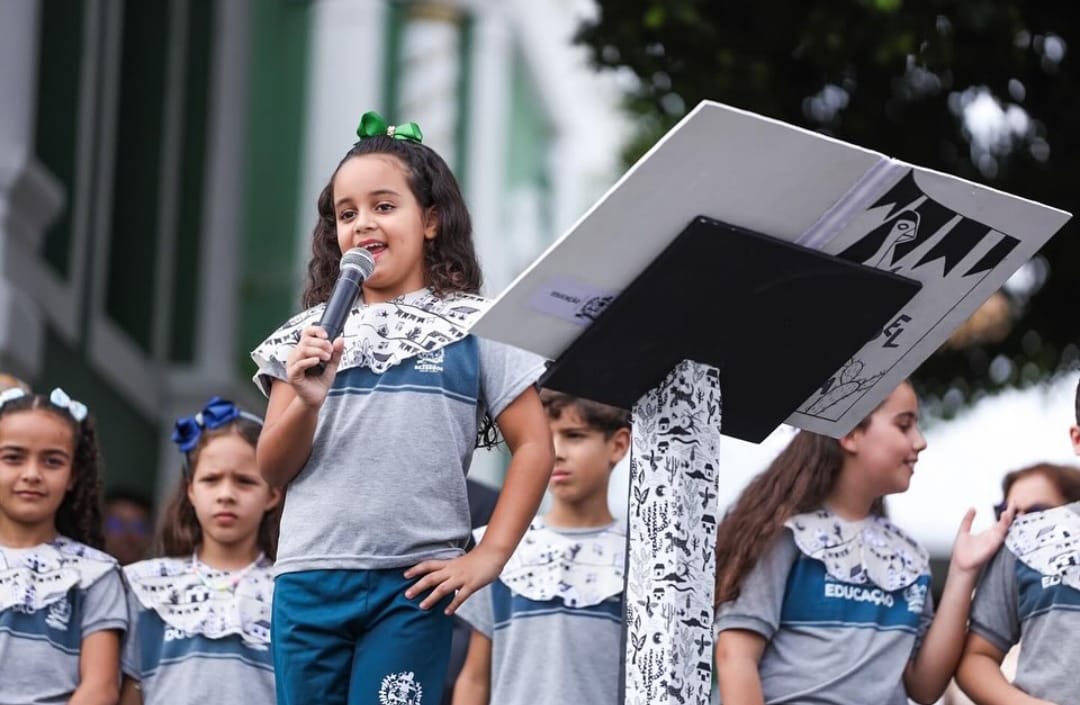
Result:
{"points": [[984, 89]]}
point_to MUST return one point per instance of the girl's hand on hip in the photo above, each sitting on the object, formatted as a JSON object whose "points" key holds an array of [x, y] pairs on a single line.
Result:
{"points": [[312, 349], [972, 551], [465, 575]]}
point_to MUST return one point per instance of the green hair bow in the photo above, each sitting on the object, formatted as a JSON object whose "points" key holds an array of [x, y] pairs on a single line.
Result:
{"points": [[374, 125]]}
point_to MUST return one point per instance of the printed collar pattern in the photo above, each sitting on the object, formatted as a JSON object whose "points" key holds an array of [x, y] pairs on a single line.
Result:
{"points": [[581, 570], [196, 599], [1049, 542], [379, 336], [34, 578], [872, 550]]}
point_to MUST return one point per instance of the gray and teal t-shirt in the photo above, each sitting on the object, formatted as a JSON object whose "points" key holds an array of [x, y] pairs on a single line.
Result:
{"points": [[384, 486], [52, 597], [564, 643], [828, 641], [1037, 603], [199, 635]]}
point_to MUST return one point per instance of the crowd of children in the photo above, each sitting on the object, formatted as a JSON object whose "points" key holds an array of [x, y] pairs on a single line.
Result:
{"points": [[360, 467]]}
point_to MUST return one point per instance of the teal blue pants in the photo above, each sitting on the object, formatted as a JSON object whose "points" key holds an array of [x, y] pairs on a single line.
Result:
{"points": [[349, 637]]}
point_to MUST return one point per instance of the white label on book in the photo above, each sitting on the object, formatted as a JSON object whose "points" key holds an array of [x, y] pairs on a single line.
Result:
{"points": [[571, 300]]}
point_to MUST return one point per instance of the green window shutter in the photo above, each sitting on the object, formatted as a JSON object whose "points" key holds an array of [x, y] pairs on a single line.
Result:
{"points": [[137, 171], [60, 49]]}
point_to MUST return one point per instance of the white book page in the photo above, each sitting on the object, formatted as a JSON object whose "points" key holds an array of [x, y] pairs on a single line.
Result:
{"points": [[961, 241]]}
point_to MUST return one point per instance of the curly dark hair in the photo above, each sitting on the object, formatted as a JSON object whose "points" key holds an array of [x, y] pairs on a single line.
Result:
{"points": [[179, 532], [79, 516], [450, 262]]}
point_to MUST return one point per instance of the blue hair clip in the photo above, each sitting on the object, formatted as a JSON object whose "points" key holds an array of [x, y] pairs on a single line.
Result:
{"points": [[216, 413]]}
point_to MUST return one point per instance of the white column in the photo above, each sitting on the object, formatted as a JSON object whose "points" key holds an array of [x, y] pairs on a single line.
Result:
{"points": [[431, 73], [671, 539], [30, 197], [487, 130]]}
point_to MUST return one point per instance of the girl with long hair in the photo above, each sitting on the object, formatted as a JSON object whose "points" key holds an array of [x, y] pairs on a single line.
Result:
{"points": [[61, 598], [375, 447], [200, 616], [821, 598]]}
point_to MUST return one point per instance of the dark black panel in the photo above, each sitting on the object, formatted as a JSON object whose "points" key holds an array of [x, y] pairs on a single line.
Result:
{"points": [[776, 320]]}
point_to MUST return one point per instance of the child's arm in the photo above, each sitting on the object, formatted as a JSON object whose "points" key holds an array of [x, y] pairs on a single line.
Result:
{"points": [[293, 411], [981, 678], [927, 675], [738, 653], [524, 425], [130, 693], [99, 669], [473, 684]]}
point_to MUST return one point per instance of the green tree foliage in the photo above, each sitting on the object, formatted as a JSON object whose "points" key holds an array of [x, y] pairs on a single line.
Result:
{"points": [[896, 76]]}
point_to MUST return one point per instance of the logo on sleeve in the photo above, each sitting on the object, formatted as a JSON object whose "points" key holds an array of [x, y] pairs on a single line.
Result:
{"points": [[915, 596]]}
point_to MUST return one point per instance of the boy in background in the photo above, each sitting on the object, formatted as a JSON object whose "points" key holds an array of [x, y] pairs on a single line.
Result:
{"points": [[548, 631]]}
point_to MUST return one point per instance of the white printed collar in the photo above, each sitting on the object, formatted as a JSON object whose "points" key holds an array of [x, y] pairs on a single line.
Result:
{"points": [[1049, 542], [872, 550], [196, 599], [580, 569], [34, 578], [379, 336]]}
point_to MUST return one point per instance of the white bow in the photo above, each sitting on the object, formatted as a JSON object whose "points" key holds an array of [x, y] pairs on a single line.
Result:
{"points": [[11, 395], [60, 398]]}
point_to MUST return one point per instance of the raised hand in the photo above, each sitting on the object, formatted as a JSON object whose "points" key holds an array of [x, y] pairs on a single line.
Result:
{"points": [[312, 349], [972, 551]]}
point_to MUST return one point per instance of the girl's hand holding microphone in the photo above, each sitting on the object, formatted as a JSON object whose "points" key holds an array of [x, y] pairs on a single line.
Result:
{"points": [[313, 352]]}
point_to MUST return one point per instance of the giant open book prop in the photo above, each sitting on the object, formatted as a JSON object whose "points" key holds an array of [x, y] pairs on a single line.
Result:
{"points": [[960, 240], [753, 272]]}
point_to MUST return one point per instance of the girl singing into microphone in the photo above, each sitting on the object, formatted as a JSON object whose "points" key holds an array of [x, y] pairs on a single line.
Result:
{"points": [[375, 450]]}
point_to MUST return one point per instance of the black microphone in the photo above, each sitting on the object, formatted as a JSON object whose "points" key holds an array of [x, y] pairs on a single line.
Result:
{"points": [[356, 265]]}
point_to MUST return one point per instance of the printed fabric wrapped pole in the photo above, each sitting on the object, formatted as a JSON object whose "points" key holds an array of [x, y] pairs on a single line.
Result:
{"points": [[671, 539]]}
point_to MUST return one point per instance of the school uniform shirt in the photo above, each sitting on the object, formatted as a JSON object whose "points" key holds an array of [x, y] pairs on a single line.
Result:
{"points": [[52, 597], [199, 635], [554, 617], [1030, 593], [843, 607], [384, 486]]}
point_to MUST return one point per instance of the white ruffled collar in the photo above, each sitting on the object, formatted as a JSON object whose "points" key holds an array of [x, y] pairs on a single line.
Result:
{"points": [[197, 599], [379, 336], [1049, 542], [873, 550], [34, 578], [582, 568]]}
